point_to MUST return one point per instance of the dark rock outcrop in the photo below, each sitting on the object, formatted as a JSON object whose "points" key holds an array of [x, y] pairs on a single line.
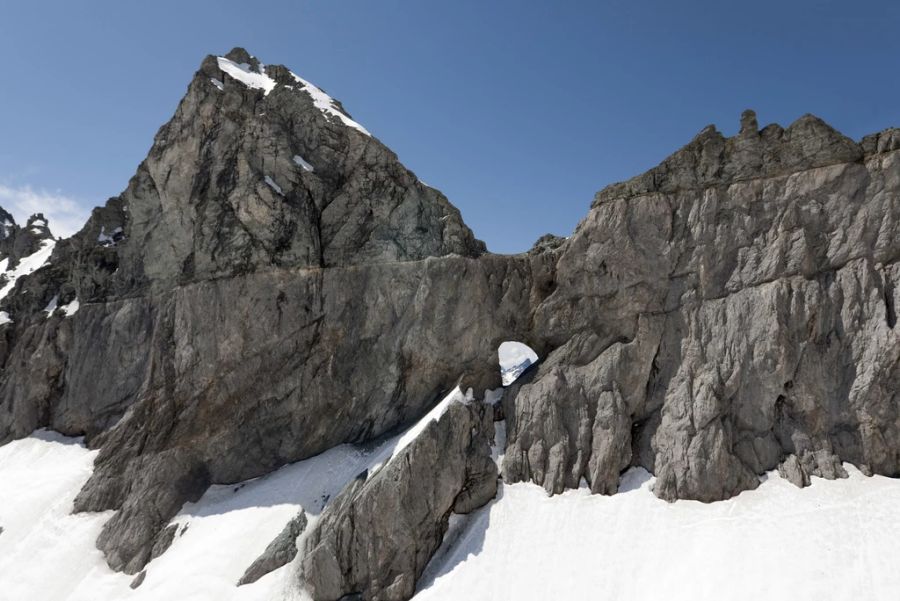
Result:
{"points": [[137, 532], [273, 282], [280, 552], [376, 538]]}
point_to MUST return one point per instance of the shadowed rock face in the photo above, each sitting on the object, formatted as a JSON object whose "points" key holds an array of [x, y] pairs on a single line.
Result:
{"points": [[273, 282]]}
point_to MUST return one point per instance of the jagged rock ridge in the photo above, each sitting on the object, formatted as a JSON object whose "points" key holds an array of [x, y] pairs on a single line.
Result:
{"points": [[273, 282]]}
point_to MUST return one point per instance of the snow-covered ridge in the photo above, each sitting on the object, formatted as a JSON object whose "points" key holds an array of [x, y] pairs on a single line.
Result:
{"points": [[392, 447], [325, 103], [322, 101], [242, 73], [455, 396]]}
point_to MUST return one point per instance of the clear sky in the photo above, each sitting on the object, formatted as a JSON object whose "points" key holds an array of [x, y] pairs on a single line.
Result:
{"points": [[518, 111]]}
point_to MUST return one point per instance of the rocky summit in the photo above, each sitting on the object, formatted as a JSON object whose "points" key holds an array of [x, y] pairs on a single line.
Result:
{"points": [[273, 283]]}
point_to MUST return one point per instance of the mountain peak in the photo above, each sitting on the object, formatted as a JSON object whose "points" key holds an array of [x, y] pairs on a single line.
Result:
{"points": [[241, 56], [7, 224], [38, 225], [259, 167]]}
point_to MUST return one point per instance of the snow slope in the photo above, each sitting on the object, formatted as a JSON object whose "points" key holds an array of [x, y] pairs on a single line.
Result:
{"points": [[48, 554], [833, 540], [39, 477]]}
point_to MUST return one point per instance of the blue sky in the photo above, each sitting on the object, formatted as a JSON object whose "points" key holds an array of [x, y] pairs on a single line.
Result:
{"points": [[518, 111]]}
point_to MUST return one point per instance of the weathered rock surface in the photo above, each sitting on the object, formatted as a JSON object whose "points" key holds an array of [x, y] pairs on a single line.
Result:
{"points": [[230, 284], [137, 532], [375, 539], [735, 305], [281, 551], [273, 282]]}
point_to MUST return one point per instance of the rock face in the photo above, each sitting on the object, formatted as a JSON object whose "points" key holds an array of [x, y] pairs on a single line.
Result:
{"points": [[377, 536], [227, 296], [273, 282], [731, 307], [279, 552]]}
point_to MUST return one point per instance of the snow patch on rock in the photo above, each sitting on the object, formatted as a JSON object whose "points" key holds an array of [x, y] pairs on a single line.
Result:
{"points": [[455, 396], [271, 183], [71, 307], [326, 104], [243, 73], [26, 265], [109, 239], [51, 306], [300, 161], [53, 552]]}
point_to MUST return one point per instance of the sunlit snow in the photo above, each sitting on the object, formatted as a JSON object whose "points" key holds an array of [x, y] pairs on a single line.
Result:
{"points": [[52, 552], [26, 265], [242, 73], [834, 540], [455, 396], [71, 307], [325, 103], [322, 101]]}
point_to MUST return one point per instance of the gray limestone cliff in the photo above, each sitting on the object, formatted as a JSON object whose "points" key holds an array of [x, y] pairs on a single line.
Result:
{"points": [[273, 282], [731, 308]]}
